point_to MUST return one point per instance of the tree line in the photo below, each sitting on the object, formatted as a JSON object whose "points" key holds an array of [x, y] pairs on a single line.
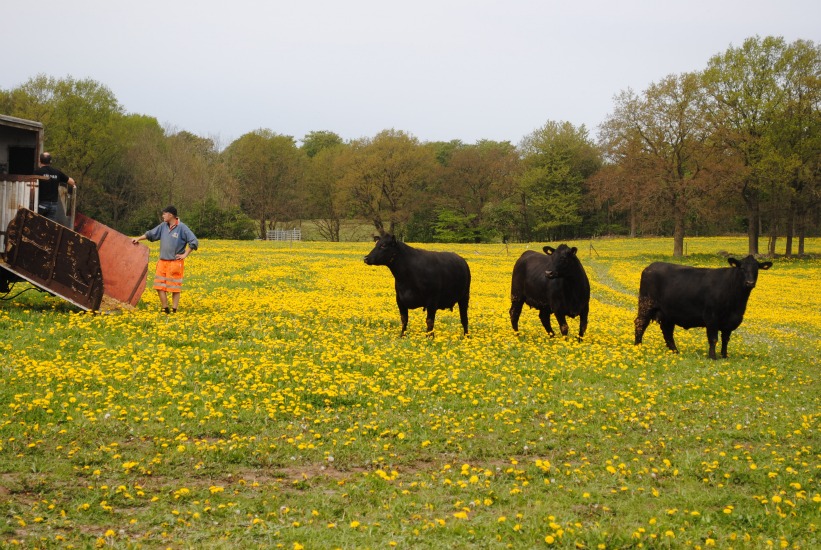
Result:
{"points": [[732, 148]]}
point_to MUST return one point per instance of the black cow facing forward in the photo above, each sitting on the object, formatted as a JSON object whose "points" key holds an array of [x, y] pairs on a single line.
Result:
{"points": [[426, 279], [696, 297], [553, 282]]}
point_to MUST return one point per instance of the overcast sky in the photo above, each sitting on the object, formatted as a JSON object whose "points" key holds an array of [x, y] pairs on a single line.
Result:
{"points": [[438, 69]]}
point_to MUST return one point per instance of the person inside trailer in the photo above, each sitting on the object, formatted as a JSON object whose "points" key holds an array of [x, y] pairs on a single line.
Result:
{"points": [[50, 204]]}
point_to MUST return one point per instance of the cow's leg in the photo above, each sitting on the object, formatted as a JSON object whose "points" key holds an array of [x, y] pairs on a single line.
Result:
{"points": [[725, 339], [463, 312], [712, 339], [642, 319], [641, 325], [431, 318], [403, 315], [667, 330], [583, 322], [515, 312], [562, 320], [544, 317]]}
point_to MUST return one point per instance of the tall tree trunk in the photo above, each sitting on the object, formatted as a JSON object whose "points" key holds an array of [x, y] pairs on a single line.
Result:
{"points": [[790, 229], [802, 231], [775, 220], [633, 222], [335, 230], [773, 235], [678, 234], [753, 214]]}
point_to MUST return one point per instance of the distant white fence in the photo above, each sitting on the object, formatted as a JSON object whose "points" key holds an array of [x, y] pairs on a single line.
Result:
{"points": [[284, 234]]}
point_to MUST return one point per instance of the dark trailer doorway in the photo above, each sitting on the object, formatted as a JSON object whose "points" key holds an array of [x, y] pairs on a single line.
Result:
{"points": [[21, 142]]}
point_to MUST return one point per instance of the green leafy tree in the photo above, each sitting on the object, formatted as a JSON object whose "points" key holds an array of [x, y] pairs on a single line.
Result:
{"points": [[268, 168], [211, 221], [663, 135], [120, 195], [324, 194], [472, 176], [455, 227], [557, 159], [196, 171], [317, 141], [429, 198], [744, 87], [796, 138], [443, 150], [380, 175], [619, 188], [152, 169], [78, 116]]}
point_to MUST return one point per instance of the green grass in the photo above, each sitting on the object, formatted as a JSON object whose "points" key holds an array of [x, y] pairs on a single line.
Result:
{"points": [[279, 408]]}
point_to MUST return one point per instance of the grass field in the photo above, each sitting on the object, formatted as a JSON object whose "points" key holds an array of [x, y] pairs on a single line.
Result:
{"points": [[279, 409]]}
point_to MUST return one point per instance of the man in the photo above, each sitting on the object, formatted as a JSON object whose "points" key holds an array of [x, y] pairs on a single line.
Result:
{"points": [[173, 236], [50, 204]]}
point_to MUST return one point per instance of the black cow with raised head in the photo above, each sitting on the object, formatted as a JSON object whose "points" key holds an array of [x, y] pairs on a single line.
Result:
{"points": [[554, 282], [423, 278], [677, 295]]}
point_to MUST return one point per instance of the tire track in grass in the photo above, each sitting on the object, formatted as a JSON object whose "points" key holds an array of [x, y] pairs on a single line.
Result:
{"points": [[606, 289]]}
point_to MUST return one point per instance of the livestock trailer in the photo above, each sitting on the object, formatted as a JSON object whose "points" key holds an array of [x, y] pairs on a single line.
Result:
{"points": [[80, 264]]}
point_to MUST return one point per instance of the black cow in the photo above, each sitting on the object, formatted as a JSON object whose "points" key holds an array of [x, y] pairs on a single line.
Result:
{"points": [[426, 279], [553, 282], [696, 297]]}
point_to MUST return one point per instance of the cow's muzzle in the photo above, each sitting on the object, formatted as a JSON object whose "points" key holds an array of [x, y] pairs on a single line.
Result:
{"points": [[749, 284]]}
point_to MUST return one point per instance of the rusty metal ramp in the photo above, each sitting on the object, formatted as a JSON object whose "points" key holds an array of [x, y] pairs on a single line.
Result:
{"points": [[124, 264], [54, 258]]}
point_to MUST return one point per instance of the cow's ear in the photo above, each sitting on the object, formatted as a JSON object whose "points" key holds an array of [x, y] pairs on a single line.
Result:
{"points": [[549, 250], [376, 238], [574, 250], [733, 262], [765, 265]]}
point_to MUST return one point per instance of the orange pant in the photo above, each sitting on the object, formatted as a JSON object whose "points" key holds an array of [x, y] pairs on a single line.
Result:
{"points": [[169, 275]]}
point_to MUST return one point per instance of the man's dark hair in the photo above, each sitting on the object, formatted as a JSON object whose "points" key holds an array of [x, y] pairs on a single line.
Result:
{"points": [[45, 158], [171, 210]]}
